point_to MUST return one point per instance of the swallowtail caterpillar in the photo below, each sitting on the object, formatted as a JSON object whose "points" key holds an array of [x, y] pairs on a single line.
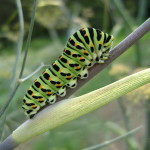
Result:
{"points": [[84, 48]]}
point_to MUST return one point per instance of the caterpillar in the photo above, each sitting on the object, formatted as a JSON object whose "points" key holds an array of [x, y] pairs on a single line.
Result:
{"points": [[84, 48]]}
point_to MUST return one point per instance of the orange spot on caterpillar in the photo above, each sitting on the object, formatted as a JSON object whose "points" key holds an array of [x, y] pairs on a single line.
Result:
{"points": [[75, 44], [32, 94], [85, 51], [92, 45], [61, 57], [68, 77], [107, 44], [101, 42], [33, 106], [54, 64], [85, 35], [58, 85], [60, 70], [44, 72], [77, 67], [40, 100], [70, 39], [68, 62], [49, 92], [71, 53], [40, 86], [49, 78], [81, 58]]}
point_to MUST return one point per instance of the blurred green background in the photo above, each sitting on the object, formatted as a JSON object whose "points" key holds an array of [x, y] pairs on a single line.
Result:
{"points": [[55, 21]]}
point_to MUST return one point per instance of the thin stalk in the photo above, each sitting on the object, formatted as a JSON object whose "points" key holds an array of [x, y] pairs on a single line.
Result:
{"points": [[2, 125], [12, 16], [19, 43], [124, 114], [129, 23], [33, 73], [126, 120], [142, 7], [107, 143], [19, 48], [15, 68], [2, 110], [13, 92], [124, 14], [130, 141], [29, 38], [105, 16]]}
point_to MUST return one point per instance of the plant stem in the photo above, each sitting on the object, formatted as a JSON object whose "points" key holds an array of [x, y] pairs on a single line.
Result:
{"points": [[2, 110], [129, 23], [20, 41], [15, 68], [29, 38], [33, 73], [96, 147], [142, 7], [19, 48], [13, 92]]}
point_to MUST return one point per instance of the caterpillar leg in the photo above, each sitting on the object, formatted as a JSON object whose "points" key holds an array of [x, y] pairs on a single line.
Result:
{"points": [[83, 74], [31, 114], [62, 91], [101, 61], [107, 54], [72, 83], [105, 57], [51, 99]]}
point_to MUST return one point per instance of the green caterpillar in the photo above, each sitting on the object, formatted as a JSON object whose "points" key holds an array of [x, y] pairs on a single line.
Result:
{"points": [[83, 49]]}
